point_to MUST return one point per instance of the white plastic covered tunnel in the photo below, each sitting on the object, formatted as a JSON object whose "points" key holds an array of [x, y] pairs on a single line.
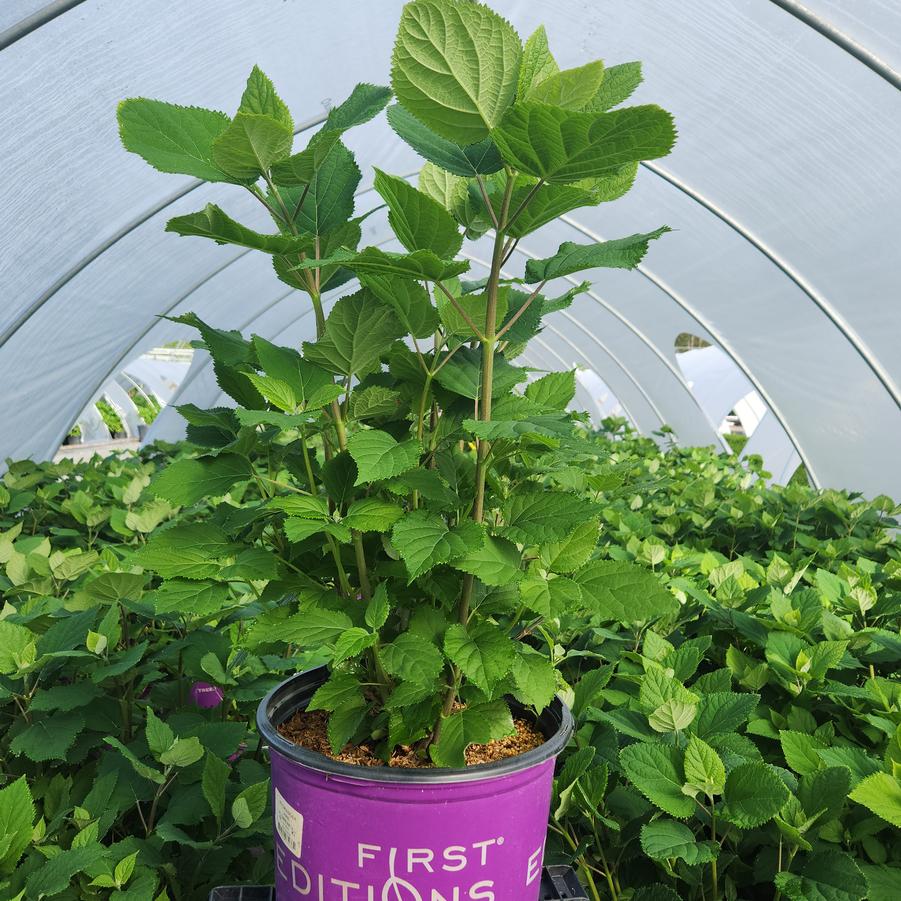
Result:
{"points": [[784, 192]]}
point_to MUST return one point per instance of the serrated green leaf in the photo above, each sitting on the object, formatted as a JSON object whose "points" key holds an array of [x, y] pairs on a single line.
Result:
{"points": [[357, 333], [474, 725], [424, 540], [159, 736], [185, 482], [704, 769], [48, 738], [800, 751], [261, 97], [618, 86], [190, 551], [343, 723], [250, 804], [378, 456], [171, 138], [754, 794], [213, 784], [537, 64], [720, 712], [16, 818], [624, 592], [15, 641], [497, 562], [880, 793], [420, 264], [56, 874], [573, 551], [622, 253], [533, 515], [328, 200], [455, 67], [824, 876], [481, 158], [671, 840], [549, 597], [372, 514], [339, 690], [535, 679], [483, 653], [251, 144], [375, 402], [66, 697], [562, 146], [463, 374], [418, 221], [378, 608], [352, 643], [553, 391], [183, 752], [412, 659], [656, 771], [571, 89], [189, 598], [211, 222], [408, 299]]}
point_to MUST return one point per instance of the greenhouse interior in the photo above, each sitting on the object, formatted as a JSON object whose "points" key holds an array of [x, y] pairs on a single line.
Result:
{"points": [[452, 450]]}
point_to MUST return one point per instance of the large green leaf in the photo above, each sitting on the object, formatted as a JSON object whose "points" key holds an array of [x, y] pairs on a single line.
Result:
{"points": [[455, 67], [533, 208], [723, 711], [470, 160], [50, 737], [312, 386], [372, 514], [824, 876], [418, 221], [668, 839], [358, 331], [535, 678], [704, 769], [537, 64], [571, 89], [656, 771], [176, 139], [424, 540], [621, 253], [187, 481], [624, 592], [463, 374], [496, 562], [483, 652], [412, 659], [211, 222], [328, 202], [189, 551], [618, 85], [261, 98], [476, 724], [563, 146], [379, 456], [365, 102], [533, 514], [55, 875], [754, 794], [880, 793], [16, 818], [251, 144], [420, 264], [408, 299]]}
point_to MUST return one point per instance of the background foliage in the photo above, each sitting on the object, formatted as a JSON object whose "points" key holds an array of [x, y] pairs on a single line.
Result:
{"points": [[768, 615]]}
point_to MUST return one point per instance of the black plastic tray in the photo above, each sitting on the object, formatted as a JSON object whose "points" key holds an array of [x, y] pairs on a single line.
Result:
{"points": [[557, 884]]}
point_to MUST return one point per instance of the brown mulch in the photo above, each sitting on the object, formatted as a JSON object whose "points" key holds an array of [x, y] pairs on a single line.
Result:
{"points": [[309, 729]]}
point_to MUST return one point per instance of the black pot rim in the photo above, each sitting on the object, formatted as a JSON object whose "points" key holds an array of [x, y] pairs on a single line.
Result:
{"points": [[294, 694]]}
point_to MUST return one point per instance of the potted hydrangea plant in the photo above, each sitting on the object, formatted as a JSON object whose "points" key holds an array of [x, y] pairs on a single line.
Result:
{"points": [[393, 520]]}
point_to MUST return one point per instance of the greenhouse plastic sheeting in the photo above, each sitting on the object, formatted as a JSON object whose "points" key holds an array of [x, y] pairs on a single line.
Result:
{"points": [[783, 192]]}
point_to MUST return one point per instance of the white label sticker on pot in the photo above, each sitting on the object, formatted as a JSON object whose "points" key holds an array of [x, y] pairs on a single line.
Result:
{"points": [[288, 824]]}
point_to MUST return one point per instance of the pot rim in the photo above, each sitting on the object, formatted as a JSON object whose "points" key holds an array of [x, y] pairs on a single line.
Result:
{"points": [[293, 694]]}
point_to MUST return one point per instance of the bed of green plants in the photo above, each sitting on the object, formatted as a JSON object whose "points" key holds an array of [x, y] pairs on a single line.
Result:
{"points": [[737, 705]]}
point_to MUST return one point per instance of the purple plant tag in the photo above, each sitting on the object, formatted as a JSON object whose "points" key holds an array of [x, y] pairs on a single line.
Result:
{"points": [[205, 695]]}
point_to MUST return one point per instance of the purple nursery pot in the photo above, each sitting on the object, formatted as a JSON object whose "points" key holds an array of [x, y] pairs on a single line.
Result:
{"points": [[351, 833]]}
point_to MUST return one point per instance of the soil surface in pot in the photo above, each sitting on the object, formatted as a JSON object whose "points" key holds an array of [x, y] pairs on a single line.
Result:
{"points": [[309, 729]]}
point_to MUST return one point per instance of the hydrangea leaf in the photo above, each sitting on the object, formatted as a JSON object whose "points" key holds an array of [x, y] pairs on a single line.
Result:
{"points": [[484, 653], [418, 221], [455, 67], [477, 724], [563, 146], [754, 794], [480, 158], [656, 771], [379, 456]]}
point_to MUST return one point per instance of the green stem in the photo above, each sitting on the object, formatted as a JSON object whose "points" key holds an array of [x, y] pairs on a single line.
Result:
{"points": [[714, 878]]}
